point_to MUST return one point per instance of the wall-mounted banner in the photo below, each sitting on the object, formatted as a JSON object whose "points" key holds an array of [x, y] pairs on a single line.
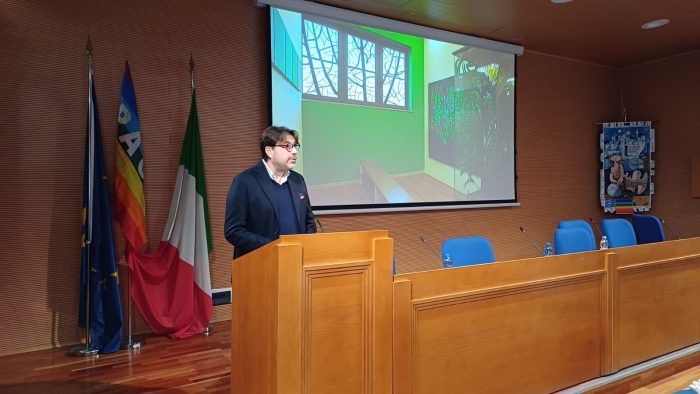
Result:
{"points": [[627, 167]]}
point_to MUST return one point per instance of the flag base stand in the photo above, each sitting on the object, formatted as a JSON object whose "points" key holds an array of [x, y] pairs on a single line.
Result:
{"points": [[207, 331], [83, 351], [132, 345]]}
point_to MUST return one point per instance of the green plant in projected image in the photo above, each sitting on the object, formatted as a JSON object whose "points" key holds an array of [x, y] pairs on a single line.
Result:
{"points": [[446, 104], [482, 140]]}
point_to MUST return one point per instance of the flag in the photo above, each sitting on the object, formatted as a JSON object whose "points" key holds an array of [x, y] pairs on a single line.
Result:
{"points": [[624, 206], [100, 305], [130, 204], [171, 287]]}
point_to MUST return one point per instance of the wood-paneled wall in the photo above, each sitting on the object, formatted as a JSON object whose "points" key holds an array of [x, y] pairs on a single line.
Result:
{"points": [[695, 175], [43, 105], [666, 92]]}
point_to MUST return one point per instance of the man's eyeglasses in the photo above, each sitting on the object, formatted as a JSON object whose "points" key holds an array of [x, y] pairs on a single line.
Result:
{"points": [[289, 147]]}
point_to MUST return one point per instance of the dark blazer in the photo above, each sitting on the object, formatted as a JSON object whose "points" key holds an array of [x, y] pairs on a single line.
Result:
{"points": [[251, 209]]}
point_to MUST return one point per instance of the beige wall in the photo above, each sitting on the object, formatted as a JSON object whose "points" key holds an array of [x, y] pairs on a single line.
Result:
{"points": [[43, 102]]}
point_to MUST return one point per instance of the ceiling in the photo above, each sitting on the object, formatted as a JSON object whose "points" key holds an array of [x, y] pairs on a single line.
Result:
{"points": [[600, 31]]}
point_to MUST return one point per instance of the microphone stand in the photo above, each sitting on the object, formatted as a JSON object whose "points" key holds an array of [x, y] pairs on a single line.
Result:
{"points": [[595, 226], [670, 230], [532, 241], [308, 207], [427, 244]]}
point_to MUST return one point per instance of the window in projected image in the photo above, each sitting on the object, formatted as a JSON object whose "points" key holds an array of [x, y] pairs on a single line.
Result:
{"points": [[393, 120], [374, 71]]}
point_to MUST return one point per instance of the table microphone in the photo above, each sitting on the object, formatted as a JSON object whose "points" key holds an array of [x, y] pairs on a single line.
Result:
{"points": [[670, 230], [595, 226], [427, 244], [532, 241], [303, 199]]}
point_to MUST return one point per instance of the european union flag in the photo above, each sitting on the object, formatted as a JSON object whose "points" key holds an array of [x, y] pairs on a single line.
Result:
{"points": [[101, 305]]}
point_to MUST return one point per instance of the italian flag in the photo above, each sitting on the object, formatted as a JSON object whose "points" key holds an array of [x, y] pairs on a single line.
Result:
{"points": [[171, 287]]}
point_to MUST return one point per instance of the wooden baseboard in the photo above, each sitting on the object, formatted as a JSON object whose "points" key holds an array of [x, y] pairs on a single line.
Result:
{"points": [[645, 377]]}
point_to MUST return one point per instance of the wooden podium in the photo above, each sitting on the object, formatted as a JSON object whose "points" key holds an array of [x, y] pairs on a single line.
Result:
{"points": [[313, 314]]}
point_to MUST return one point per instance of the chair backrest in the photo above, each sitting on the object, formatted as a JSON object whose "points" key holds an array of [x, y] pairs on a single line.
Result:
{"points": [[582, 224], [572, 240], [619, 232], [468, 251], [648, 229]]}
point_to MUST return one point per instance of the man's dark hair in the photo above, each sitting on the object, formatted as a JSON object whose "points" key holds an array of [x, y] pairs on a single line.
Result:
{"points": [[274, 134]]}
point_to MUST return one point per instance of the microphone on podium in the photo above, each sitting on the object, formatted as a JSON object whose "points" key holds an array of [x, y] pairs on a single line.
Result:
{"points": [[303, 199], [532, 241], [595, 226], [670, 230], [427, 244]]}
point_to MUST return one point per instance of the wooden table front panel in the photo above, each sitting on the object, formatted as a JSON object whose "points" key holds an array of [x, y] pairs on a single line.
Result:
{"points": [[537, 326], [659, 302]]}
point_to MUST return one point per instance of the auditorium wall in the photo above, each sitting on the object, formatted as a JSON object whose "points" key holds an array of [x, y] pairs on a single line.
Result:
{"points": [[43, 101], [667, 92]]}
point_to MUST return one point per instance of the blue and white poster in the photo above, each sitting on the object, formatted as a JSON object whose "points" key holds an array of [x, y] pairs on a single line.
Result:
{"points": [[627, 167]]}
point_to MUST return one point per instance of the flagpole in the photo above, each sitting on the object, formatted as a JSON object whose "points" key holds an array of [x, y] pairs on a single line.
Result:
{"points": [[192, 73], [131, 344], [88, 350], [172, 224], [208, 329]]}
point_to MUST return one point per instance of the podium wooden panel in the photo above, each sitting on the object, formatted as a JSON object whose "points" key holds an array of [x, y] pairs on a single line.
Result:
{"points": [[312, 314]]}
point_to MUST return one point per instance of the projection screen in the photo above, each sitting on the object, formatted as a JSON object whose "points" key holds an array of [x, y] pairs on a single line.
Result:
{"points": [[393, 116]]}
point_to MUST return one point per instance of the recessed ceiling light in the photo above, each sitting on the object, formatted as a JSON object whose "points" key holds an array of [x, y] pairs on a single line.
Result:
{"points": [[561, 1], [655, 23]]}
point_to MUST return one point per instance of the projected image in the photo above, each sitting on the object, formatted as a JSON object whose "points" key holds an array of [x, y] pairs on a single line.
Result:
{"points": [[388, 118]]}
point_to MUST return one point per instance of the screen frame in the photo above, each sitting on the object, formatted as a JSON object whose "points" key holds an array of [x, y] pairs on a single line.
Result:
{"points": [[353, 17]]}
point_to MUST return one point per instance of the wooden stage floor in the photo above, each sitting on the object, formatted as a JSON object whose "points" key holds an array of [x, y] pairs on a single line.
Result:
{"points": [[194, 365], [203, 365]]}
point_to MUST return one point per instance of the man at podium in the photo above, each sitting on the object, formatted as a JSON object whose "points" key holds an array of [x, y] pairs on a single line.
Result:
{"points": [[268, 199]]}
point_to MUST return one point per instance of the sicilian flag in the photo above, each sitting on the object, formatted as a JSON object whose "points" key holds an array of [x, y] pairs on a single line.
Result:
{"points": [[100, 306], [172, 288], [130, 205], [624, 206]]}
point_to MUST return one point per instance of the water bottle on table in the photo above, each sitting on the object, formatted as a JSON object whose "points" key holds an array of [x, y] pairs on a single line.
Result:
{"points": [[548, 251], [447, 260]]}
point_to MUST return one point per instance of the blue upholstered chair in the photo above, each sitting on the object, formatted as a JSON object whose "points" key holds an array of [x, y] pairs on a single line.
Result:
{"points": [[619, 232], [582, 224], [648, 229], [468, 251], [572, 240]]}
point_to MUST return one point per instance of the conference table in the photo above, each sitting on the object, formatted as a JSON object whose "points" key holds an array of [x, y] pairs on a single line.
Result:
{"points": [[322, 313]]}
